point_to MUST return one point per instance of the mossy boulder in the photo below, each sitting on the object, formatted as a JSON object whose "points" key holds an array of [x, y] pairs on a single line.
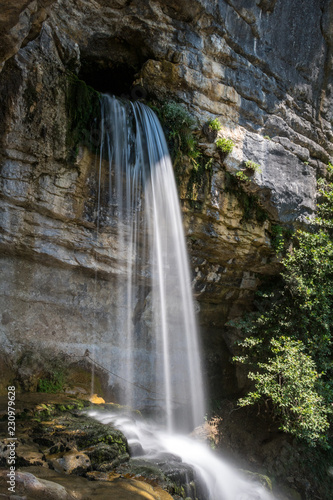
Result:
{"points": [[259, 478], [59, 429], [73, 430], [102, 452]]}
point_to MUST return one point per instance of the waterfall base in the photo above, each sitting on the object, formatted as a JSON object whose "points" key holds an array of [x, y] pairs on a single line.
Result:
{"points": [[196, 470]]}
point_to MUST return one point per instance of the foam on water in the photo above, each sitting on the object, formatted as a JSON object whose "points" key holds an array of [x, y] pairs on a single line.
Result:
{"points": [[220, 480]]}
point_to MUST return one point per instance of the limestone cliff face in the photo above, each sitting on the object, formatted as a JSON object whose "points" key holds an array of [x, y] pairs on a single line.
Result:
{"points": [[263, 68]]}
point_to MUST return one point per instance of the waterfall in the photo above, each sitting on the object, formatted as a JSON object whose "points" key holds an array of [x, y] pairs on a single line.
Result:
{"points": [[156, 355], [155, 358]]}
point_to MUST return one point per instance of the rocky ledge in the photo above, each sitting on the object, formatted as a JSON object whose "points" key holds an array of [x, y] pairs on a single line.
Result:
{"points": [[62, 454]]}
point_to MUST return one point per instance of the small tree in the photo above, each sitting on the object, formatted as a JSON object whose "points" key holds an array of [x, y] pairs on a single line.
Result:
{"points": [[289, 345]]}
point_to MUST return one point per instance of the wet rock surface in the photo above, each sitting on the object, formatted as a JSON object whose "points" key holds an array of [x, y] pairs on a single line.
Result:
{"points": [[167, 471], [61, 453]]}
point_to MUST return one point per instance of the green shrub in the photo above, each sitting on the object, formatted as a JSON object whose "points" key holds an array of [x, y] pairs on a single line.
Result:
{"points": [[178, 125], [215, 124], [288, 380], [242, 177], [280, 237], [251, 165], [224, 145], [176, 117], [289, 341]]}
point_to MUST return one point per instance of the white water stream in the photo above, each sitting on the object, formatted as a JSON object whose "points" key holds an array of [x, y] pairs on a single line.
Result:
{"points": [[156, 355], [221, 481], [161, 354]]}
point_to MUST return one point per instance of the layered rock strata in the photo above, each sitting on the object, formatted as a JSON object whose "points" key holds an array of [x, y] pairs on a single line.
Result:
{"points": [[262, 68]]}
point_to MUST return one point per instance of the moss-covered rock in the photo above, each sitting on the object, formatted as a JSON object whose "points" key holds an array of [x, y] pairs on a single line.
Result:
{"points": [[259, 478], [83, 111], [60, 425]]}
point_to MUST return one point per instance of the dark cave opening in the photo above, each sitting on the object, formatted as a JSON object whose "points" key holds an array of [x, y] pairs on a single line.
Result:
{"points": [[111, 65], [117, 79]]}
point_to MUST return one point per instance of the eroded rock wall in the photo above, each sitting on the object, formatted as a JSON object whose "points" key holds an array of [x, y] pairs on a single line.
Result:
{"points": [[263, 68]]}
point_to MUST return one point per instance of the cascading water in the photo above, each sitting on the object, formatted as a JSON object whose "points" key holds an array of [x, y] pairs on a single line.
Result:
{"points": [[156, 359], [215, 478], [164, 362]]}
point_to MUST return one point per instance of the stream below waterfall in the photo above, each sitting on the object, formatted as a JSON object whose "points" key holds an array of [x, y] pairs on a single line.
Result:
{"points": [[213, 477]]}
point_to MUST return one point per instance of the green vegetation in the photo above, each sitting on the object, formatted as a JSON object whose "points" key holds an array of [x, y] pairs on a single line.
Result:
{"points": [[179, 128], [280, 236], [224, 145], [215, 124], [177, 119], [249, 203], [242, 177], [289, 341], [267, 137], [54, 383], [83, 105], [178, 124], [289, 380], [251, 165], [199, 178], [193, 152]]}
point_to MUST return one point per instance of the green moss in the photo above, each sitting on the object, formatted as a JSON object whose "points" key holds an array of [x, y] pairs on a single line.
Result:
{"points": [[54, 383], [83, 109], [53, 409], [260, 478], [180, 491], [43, 411], [67, 407], [249, 203], [95, 432]]}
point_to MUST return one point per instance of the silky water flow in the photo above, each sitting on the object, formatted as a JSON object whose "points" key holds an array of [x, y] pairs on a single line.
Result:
{"points": [[155, 358]]}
